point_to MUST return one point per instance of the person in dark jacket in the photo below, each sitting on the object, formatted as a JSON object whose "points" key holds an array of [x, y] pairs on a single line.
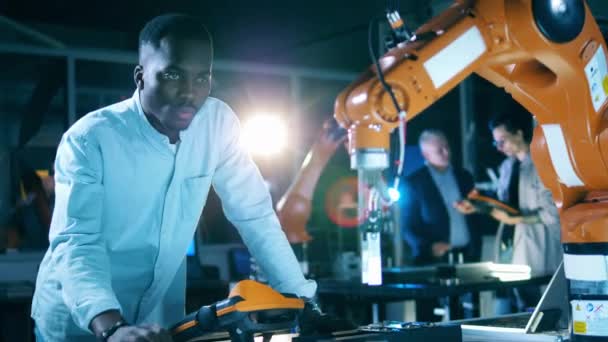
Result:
{"points": [[431, 225]]}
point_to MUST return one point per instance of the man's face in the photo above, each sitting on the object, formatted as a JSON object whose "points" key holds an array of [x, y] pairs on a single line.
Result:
{"points": [[507, 143], [436, 152], [174, 80]]}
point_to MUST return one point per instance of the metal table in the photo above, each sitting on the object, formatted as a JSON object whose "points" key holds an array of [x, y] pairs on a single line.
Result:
{"points": [[430, 282]]}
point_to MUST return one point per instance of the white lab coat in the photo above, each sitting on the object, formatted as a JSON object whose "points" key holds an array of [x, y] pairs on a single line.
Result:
{"points": [[127, 205]]}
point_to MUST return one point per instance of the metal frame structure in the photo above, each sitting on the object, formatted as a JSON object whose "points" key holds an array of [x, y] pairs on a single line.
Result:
{"points": [[294, 75]]}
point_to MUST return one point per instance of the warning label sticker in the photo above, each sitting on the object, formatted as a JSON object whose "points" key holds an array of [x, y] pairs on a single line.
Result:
{"points": [[580, 327], [590, 317], [597, 78]]}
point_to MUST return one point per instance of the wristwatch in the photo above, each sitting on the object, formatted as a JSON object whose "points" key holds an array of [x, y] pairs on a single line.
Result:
{"points": [[105, 335]]}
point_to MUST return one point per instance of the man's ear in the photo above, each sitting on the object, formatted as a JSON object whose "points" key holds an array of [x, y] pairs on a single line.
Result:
{"points": [[138, 76]]}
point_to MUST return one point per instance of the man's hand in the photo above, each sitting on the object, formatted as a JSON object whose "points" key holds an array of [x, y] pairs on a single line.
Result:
{"points": [[440, 248], [505, 217], [465, 207], [144, 333], [141, 333]]}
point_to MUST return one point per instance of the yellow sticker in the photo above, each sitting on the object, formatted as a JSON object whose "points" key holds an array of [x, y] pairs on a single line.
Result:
{"points": [[578, 307], [580, 327], [605, 84]]}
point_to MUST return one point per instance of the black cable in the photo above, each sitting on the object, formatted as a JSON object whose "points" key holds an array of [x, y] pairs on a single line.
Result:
{"points": [[389, 90], [379, 73]]}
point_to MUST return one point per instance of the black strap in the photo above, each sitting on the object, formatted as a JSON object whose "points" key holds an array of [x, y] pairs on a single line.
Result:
{"points": [[514, 185], [513, 200], [105, 335]]}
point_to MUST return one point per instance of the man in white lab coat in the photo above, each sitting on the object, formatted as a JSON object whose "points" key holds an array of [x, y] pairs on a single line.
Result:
{"points": [[131, 181]]}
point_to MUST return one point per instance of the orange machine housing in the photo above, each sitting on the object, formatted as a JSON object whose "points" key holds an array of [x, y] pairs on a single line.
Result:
{"points": [[295, 206], [238, 314], [508, 49]]}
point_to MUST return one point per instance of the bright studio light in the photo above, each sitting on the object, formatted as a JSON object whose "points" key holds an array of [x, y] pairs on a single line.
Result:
{"points": [[394, 194], [264, 135]]}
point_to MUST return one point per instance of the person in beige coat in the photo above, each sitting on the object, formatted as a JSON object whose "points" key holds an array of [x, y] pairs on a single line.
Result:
{"points": [[536, 240], [533, 236]]}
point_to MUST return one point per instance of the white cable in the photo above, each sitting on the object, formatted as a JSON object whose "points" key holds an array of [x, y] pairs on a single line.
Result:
{"points": [[402, 117]]}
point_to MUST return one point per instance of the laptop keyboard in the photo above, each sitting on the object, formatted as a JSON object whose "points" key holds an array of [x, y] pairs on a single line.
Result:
{"points": [[519, 321]]}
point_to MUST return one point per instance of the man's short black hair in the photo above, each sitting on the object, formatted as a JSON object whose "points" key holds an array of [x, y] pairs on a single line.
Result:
{"points": [[176, 24], [513, 118]]}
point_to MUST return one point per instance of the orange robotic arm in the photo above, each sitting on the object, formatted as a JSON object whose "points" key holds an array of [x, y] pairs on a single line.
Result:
{"points": [[551, 57], [502, 41], [295, 206]]}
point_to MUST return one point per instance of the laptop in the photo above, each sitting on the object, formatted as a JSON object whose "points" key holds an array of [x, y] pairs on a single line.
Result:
{"points": [[548, 321]]}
